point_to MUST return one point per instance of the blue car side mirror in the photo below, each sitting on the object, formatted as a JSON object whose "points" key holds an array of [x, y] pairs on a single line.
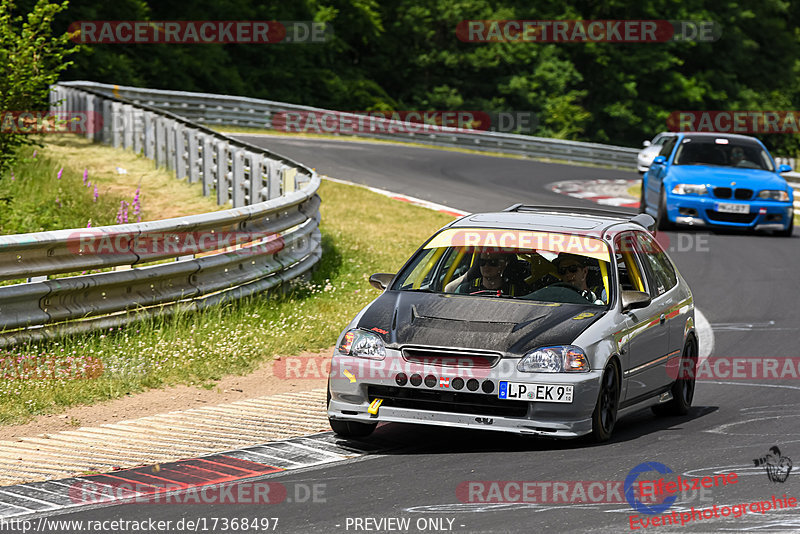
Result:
{"points": [[784, 168], [660, 159]]}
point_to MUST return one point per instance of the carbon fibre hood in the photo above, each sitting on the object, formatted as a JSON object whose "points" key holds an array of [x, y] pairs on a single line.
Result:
{"points": [[487, 323]]}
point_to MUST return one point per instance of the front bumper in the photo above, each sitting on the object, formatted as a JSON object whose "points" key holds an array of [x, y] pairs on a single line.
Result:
{"points": [[694, 210], [440, 404]]}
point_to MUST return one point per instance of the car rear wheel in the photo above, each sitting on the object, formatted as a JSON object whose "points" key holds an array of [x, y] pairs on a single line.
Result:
{"points": [[605, 411], [662, 220], [683, 387]]}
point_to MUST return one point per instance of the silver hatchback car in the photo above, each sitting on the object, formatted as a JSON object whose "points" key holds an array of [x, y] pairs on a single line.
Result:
{"points": [[535, 320]]}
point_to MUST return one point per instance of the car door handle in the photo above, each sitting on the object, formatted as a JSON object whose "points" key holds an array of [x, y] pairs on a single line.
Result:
{"points": [[662, 319]]}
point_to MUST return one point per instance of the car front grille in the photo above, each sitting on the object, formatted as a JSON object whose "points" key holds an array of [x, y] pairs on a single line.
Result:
{"points": [[740, 218], [450, 358], [447, 401], [738, 194], [723, 192]]}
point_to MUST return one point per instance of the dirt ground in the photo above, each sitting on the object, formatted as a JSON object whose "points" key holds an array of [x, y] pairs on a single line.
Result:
{"points": [[260, 383]]}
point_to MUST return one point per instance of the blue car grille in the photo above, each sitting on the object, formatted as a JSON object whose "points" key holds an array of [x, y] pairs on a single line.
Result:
{"points": [[740, 218], [738, 194]]}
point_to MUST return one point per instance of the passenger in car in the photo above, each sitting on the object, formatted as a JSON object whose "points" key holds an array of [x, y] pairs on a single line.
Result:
{"points": [[495, 271], [574, 270]]}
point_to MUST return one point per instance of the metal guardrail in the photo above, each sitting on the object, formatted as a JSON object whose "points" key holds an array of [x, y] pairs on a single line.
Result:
{"points": [[252, 112], [274, 219]]}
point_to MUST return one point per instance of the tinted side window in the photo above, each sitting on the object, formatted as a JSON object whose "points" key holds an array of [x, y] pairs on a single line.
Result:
{"points": [[659, 265], [629, 270], [666, 150]]}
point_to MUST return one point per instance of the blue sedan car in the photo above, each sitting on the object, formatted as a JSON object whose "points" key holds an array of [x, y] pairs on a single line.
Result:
{"points": [[717, 180]]}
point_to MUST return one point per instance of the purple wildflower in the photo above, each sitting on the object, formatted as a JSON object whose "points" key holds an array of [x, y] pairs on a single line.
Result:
{"points": [[96, 193], [12, 176], [34, 154], [60, 171], [89, 224], [137, 205], [85, 175], [122, 213]]}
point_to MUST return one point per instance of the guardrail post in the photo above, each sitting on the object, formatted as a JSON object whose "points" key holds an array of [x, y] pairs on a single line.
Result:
{"points": [[237, 172], [127, 120], [160, 141], [169, 135], [192, 155], [223, 181], [138, 133], [149, 135], [208, 165], [256, 180], [180, 151], [275, 175], [115, 133]]}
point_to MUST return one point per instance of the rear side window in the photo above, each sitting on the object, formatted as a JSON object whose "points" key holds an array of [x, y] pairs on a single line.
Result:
{"points": [[666, 150], [657, 263]]}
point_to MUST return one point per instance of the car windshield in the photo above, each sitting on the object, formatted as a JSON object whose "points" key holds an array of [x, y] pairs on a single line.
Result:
{"points": [[722, 152], [515, 264]]}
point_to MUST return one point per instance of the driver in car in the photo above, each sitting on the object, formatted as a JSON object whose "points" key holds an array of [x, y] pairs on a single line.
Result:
{"points": [[493, 276], [573, 270]]}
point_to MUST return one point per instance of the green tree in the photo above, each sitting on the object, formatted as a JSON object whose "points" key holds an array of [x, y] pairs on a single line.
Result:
{"points": [[31, 58]]}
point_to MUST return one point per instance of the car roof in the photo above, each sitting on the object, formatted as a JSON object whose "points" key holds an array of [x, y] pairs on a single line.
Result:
{"points": [[579, 221], [721, 135]]}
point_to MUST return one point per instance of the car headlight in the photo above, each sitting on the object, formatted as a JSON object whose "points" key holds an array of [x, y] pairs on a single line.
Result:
{"points": [[362, 344], [781, 196], [689, 189], [559, 359]]}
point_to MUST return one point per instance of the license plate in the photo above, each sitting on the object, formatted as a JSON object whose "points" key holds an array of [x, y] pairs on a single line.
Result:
{"points": [[724, 207], [535, 392]]}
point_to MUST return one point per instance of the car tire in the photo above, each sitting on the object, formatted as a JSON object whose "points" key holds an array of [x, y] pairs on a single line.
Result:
{"points": [[604, 416], [788, 231], [683, 388], [352, 429], [662, 220], [642, 204]]}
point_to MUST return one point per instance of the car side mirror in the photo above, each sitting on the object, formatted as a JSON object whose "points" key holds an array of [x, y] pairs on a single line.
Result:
{"points": [[632, 300], [646, 143], [660, 159], [381, 280], [784, 168]]}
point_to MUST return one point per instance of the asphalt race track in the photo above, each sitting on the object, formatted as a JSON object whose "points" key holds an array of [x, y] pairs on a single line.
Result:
{"points": [[746, 285]]}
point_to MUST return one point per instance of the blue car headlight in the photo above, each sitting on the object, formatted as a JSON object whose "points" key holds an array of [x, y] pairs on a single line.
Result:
{"points": [[781, 196], [690, 189], [558, 359], [362, 344]]}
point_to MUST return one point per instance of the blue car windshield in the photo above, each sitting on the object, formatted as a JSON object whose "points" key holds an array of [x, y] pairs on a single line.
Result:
{"points": [[722, 152]]}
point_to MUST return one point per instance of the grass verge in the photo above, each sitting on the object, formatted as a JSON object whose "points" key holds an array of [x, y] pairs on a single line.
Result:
{"points": [[36, 199], [363, 233]]}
